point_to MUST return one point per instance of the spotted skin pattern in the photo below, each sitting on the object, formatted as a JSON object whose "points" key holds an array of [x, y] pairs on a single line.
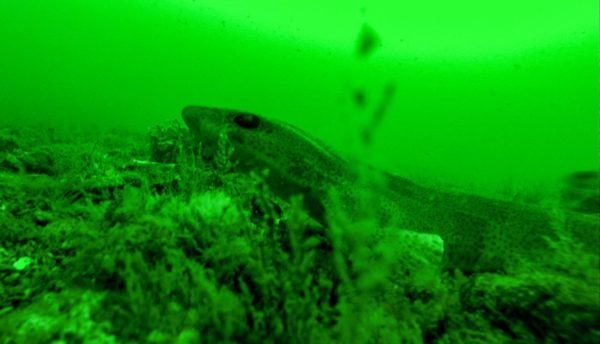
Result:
{"points": [[479, 234]]}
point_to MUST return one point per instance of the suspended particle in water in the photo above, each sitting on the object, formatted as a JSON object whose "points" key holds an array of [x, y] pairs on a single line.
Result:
{"points": [[368, 41], [360, 98], [379, 113]]}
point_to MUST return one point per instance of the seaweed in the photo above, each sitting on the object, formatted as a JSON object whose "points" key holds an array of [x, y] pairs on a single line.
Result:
{"points": [[118, 237]]}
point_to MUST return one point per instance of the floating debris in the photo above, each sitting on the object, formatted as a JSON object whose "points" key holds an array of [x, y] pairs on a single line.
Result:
{"points": [[379, 113], [368, 41], [360, 98]]}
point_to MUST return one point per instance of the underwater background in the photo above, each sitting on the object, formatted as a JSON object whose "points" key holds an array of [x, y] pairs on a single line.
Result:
{"points": [[486, 95], [122, 221]]}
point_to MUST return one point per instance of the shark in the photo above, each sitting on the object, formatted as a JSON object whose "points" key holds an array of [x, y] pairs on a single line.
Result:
{"points": [[479, 234]]}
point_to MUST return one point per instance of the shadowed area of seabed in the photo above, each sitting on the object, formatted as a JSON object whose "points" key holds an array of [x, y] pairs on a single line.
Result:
{"points": [[581, 192]]}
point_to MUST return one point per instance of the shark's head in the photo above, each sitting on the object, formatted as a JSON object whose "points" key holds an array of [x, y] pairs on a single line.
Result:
{"points": [[295, 161], [260, 143], [249, 133]]}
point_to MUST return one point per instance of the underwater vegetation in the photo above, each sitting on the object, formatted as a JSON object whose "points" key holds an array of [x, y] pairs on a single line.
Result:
{"points": [[119, 237]]}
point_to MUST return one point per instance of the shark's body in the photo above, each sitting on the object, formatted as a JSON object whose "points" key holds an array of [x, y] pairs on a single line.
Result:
{"points": [[479, 234]]}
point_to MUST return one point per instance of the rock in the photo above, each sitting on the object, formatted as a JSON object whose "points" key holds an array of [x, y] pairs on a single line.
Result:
{"points": [[8, 142], [552, 307], [38, 161]]}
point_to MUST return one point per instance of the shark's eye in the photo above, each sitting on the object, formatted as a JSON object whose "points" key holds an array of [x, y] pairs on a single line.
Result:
{"points": [[247, 121]]}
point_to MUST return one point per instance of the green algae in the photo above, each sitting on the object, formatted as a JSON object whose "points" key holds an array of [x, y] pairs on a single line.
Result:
{"points": [[116, 237]]}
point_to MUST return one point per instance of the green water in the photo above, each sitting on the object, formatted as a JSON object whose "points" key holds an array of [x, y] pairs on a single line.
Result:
{"points": [[124, 234], [487, 94]]}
